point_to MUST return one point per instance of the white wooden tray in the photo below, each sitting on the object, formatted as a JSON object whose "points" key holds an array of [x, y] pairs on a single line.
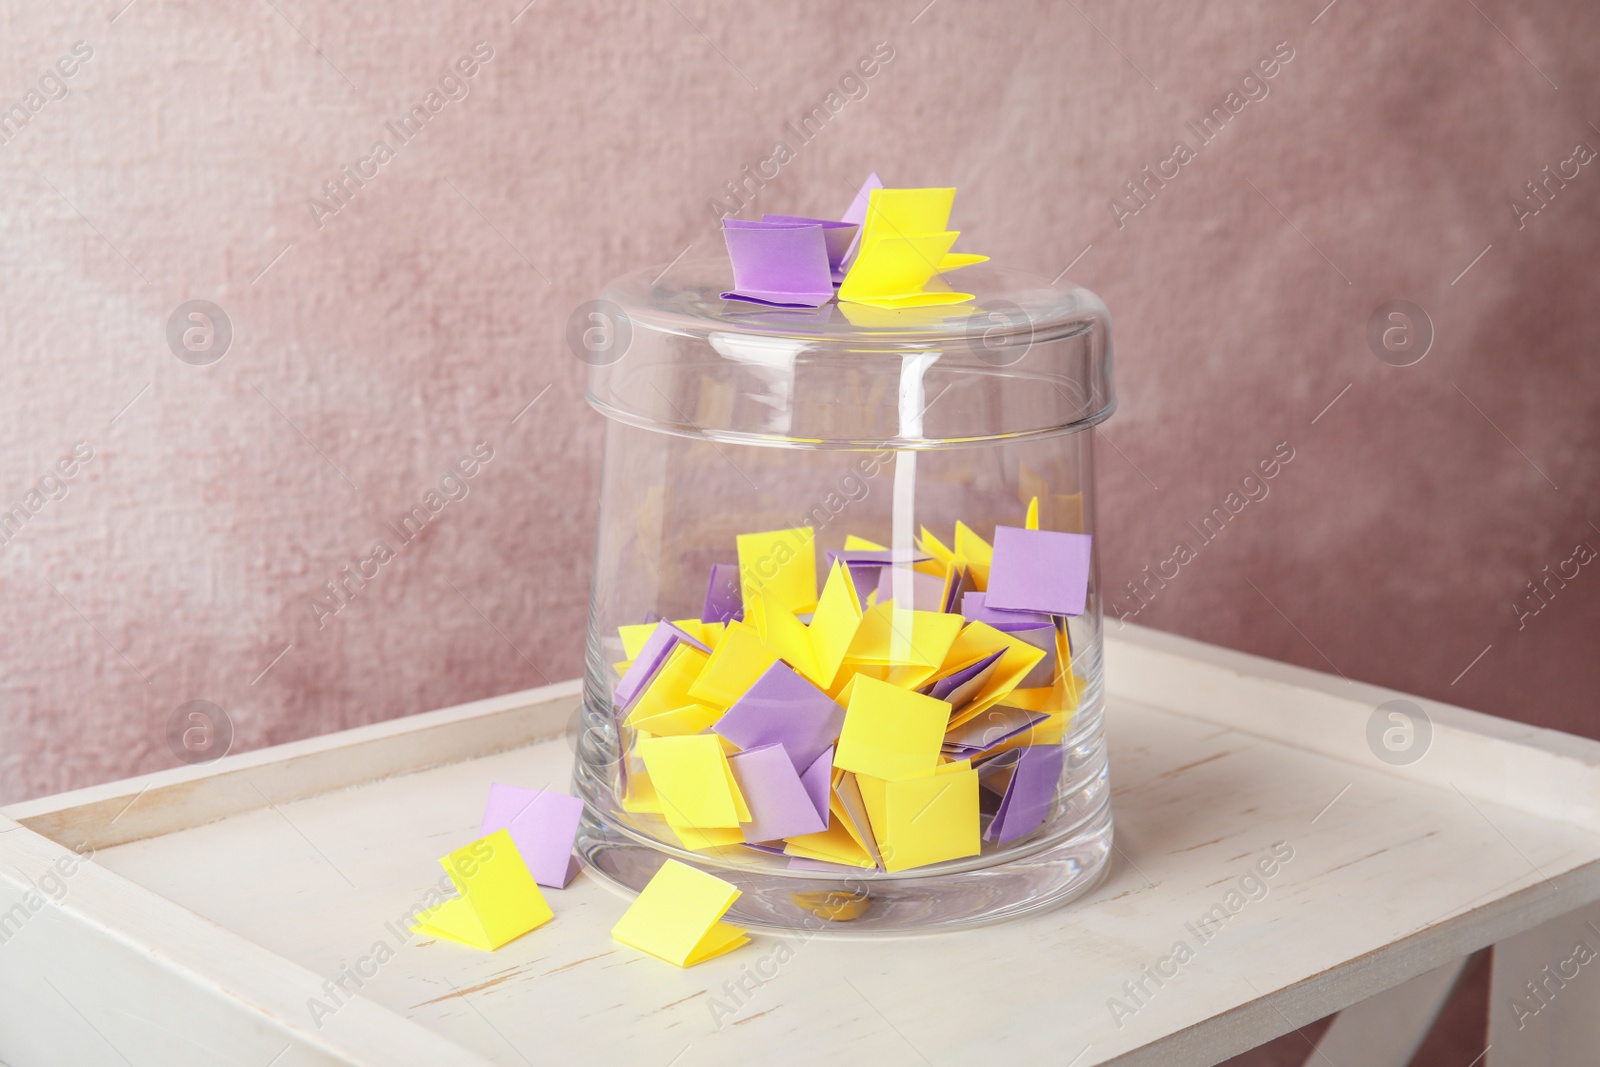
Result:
{"points": [[222, 901]]}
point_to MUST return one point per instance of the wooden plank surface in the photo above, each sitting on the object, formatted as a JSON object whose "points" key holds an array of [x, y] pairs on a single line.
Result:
{"points": [[160, 803], [1218, 760], [95, 971], [1366, 901]]}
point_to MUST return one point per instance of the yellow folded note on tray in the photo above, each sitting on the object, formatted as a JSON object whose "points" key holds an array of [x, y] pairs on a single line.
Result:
{"points": [[678, 917], [499, 899]]}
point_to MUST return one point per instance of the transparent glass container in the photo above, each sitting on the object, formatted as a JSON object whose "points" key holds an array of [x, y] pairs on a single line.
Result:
{"points": [[727, 418]]}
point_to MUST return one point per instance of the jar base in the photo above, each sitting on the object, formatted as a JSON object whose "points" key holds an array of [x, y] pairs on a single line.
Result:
{"points": [[1051, 871]]}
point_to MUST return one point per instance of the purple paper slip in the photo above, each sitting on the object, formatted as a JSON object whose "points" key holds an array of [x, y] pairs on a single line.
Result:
{"points": [[1030, 793], [782, 708], [961, 583], [857, 213], [778, 263], [1039, 570], [945, 687], [818, 780], [662, 640], [975, 607], [994, 727], [779, 805], [724, 601], [542, 825], [836, 236]]}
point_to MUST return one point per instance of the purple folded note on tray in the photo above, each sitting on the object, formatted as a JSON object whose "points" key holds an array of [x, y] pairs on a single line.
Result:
{"points": [[782, 708], [778, 263], [1038, 570], [542, 825]]}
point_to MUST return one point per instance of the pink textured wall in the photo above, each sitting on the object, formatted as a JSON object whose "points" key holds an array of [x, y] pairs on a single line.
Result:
{"points": [[376, 345]]}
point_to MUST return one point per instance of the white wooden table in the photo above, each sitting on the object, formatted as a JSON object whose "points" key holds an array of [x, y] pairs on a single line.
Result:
{"points": [[223, 903]]}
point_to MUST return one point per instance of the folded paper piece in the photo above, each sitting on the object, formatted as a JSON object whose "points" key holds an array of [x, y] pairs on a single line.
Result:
{"points": [[975, 608], [499, 900], [780, 807], [738, 660], [823, 722], [1044, 639], [668, 689], [905, 242], [918, 821], [1039, 570], [782, 564], [692, 778], [542, 825], [678, 917], [723, 602], [783, 264], [886, 253], [662, 641], [1029, 792], [782, 708], [839, 237], [889, 732]]}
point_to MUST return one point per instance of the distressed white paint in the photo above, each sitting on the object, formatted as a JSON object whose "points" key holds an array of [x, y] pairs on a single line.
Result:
{"points": [[1215, 757], [1386, 1030]]}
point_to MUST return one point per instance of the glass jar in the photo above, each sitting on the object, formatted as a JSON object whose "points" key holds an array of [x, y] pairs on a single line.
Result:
{"points": [[809, 427]]}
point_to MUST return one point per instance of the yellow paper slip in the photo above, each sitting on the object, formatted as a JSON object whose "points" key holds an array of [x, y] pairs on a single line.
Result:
{"points": [[976, 551], [892, 271], [925, 820], [786, 635], [833, 845], [1017, 659], [689, 719], [737, 661], [890, 732], [669, 689], [834, 626], [678, 917], [907, 212], [693, 781], [499, 899], [924, 636], [782, 564]]}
